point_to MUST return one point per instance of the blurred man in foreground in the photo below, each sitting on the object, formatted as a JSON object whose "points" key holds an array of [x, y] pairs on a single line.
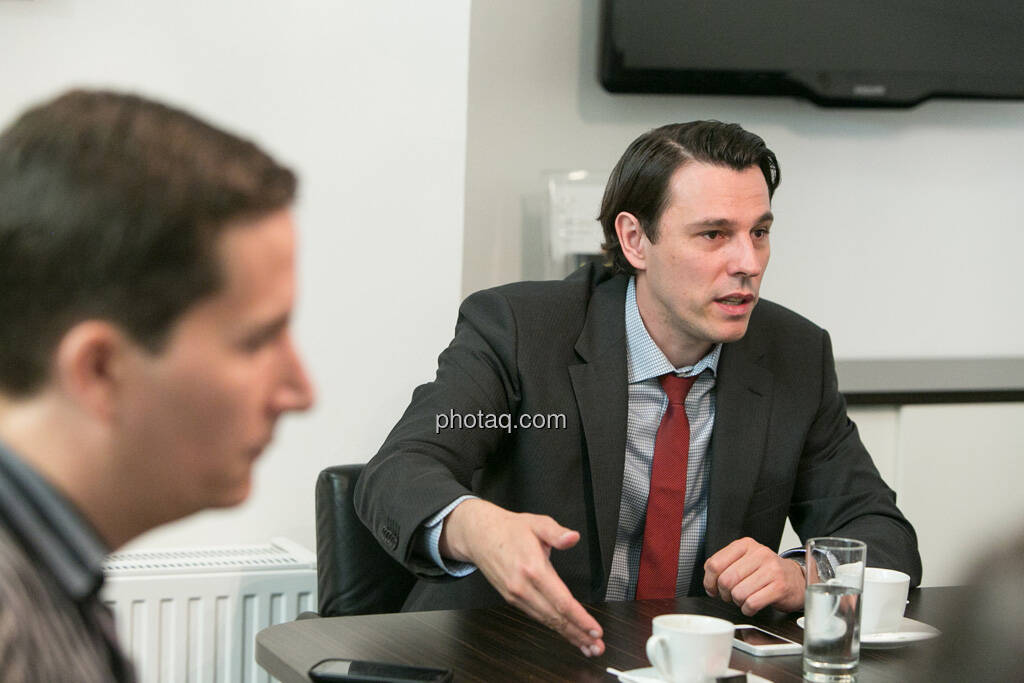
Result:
{"points": [[146, 287]]}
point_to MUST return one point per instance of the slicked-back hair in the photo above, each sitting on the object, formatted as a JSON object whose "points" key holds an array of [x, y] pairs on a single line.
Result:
{"points": [[110, 208], [639, 183]]}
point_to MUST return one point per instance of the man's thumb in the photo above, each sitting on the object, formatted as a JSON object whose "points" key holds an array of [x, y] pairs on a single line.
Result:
{"points": [[555, 535]]}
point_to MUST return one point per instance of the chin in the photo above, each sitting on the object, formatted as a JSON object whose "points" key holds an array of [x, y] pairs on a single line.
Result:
{"points": [[732, 334], [233, 496]]}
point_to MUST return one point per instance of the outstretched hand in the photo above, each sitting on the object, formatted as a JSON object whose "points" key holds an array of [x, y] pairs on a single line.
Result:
{"points": [[513, 550]]}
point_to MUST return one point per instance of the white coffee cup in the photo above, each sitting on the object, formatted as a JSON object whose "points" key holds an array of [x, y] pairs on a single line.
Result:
{"points": [[883, 600], [690, 648]]}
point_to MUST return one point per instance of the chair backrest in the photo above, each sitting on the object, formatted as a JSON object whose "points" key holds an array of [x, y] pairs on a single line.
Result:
{"points": [[354, 573]]}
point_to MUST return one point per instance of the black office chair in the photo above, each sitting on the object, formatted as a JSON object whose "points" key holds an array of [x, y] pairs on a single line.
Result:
{"points": [[354, 574]]}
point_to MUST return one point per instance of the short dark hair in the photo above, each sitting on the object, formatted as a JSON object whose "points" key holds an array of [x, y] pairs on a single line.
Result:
{"points": [[639, 182], [110, 206]]}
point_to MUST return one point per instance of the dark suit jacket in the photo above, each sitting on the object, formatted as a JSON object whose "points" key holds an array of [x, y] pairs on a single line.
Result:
{"points": [[782, 443]]}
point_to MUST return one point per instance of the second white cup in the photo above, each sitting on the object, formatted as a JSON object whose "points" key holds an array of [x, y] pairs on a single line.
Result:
{"points": [[690, 648], [883, 600]]}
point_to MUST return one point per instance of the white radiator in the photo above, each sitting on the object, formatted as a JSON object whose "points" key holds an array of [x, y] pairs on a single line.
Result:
{"points": [[191, 615]]}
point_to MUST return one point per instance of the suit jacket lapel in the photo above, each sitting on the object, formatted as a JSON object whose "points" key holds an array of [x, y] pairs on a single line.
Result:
{"points": [[742, 404], [599, 383]]}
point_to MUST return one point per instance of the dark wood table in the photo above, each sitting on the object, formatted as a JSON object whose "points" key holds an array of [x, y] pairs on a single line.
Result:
{"points": [[502, 644]]}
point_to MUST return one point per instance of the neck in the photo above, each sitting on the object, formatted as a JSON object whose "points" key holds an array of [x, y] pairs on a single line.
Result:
{"points": [[69, 451], [680, 348]]}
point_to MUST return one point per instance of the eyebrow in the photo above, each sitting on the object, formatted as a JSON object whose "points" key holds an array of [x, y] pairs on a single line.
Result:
{"points": [[766, 217]]}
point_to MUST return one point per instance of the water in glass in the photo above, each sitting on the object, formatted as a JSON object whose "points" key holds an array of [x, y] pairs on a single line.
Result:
{"points": [[831, 632]]}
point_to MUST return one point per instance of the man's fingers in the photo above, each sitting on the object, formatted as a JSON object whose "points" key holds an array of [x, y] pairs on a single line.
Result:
{"points": [[566, 540], [784, 582], [749, 593], [575, 614], [774, 581], [719, 562], [515, 559], [741, 569], [744, 566], [710, 581], [767, 595], [559, 611], [557, 595], [554, 534]]}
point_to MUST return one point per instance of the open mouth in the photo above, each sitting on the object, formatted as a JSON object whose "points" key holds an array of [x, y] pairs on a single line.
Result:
{"points": [[737, 303], [736, 299]]}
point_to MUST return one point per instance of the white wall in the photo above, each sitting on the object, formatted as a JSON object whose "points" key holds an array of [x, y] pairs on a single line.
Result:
{"points": [[959, 475], [898, 230], [367, 101]]}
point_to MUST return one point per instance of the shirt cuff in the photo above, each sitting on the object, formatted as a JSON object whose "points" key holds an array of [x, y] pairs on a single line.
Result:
{"points": [[429, 542]]}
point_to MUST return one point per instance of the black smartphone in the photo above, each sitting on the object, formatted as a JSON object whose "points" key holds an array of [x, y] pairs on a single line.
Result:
{"points": [[331, 670]]}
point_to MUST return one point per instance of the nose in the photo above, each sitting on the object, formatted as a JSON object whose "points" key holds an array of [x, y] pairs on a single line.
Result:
{"points": [[295, 391], [748, 258]]}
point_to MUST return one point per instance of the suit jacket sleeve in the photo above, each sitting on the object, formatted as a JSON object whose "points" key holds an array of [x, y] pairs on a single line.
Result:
{"points": [[839, 492], [421, 467]]}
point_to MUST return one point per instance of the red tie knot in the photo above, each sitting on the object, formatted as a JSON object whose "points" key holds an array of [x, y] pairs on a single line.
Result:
{"points": [[676, 387]]}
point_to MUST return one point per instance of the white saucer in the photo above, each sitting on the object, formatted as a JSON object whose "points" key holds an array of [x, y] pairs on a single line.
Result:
{"points": [[651, 674], [911, 631]]}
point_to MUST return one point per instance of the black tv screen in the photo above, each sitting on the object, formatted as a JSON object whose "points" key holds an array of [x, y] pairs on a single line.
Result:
{"points": [[845, 53]]}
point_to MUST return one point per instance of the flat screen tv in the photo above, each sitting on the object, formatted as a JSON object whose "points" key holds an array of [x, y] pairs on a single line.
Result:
{"points": [[882, 53]]}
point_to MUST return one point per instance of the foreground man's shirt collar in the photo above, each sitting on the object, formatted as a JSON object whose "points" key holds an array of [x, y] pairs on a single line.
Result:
{"points": [[51, 527], [644, 359]]}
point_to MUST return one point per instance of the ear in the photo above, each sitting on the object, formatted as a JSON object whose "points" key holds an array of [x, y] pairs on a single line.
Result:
{"points": [[89, 366], [632, 239]]}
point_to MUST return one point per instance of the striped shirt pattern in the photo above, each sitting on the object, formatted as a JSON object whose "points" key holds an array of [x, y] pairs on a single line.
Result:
{"points": [[53, 626], [647, 404]]}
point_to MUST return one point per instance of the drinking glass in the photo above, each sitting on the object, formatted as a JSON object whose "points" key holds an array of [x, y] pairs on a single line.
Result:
{"points": [[835, 579]]}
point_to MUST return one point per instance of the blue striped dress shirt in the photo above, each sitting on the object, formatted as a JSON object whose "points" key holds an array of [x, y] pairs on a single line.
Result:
{"points": [[645, 363]]}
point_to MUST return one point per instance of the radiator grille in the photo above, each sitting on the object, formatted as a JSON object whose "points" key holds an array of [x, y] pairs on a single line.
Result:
{"points": [[191, 615]]}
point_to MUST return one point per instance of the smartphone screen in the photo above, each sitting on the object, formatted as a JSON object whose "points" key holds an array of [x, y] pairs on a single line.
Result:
{"points": [[755, 636]]}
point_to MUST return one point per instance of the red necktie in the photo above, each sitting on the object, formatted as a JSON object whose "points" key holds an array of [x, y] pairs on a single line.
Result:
{"points": [[659, 558]]}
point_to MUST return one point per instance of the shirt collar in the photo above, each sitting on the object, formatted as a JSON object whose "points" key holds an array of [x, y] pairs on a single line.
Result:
{"points": [[644, 359], [50, 527]]}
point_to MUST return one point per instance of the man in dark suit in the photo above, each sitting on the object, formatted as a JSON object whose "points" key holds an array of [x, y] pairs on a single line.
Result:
{"points": [[663, 415]]}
